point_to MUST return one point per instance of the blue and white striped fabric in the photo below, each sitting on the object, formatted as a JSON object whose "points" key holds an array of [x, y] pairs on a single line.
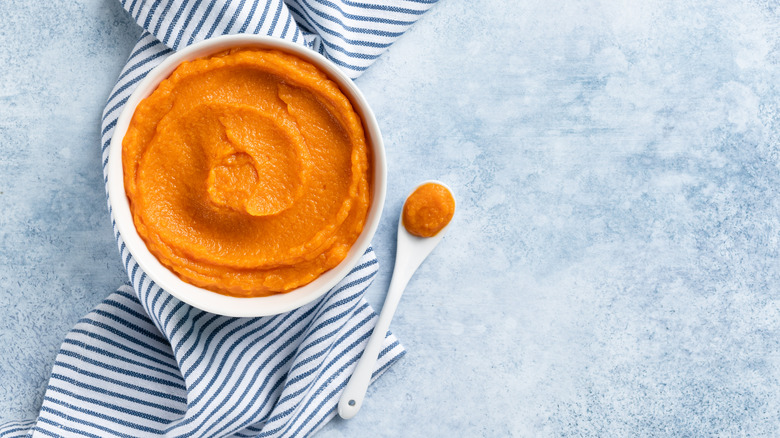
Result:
{"points": [[143, 363]]}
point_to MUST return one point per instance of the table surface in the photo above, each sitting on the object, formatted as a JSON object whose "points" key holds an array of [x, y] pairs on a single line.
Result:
{"points": [[612, 269]]}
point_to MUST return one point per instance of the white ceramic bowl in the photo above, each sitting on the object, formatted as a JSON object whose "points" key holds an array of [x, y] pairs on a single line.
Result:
{"points": [[212, 301]]}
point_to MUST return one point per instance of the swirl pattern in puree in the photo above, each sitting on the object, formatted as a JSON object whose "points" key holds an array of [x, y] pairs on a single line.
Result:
{"points": [[247, 172]]}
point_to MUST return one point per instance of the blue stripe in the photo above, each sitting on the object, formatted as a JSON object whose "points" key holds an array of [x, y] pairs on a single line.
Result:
{"points": [[118, 370], [128, 295], [231, 22], [95, 415], [387, 349], [125, 360], [293, 395], [124, 335], [170, 364], [203, 20], [262, 18], [145, 61], [108, 127], [65, 428], [217, 20], [140, 8], [225, 355], [271, 393], [146, 46], [151, 308], [341, 386], [333, 347], [171, 315], [296, 34], [191, 320], [196, 342], [325, 401], [132, 6], [252, 13], [149, 16], [276, 19], [148, 293], [341, 24], [106, 405], [131, 326], [182, 320], [124, 384], [8, 432], [125, 308], [128, 8], [338, 357], [5, 427], [249, 406], [287, 343], [128, 84], [368, 18], [335, 392], [301, 21], [328, 322], [138, 282], [342, 50], [362, 43], [225, 338], [114, 394], [127, 258], [342, 63], [187, 20], [167, 38], [380, 7], [371, 262], [161, 19], [117, 105], [159, 313], [286, 27], [259, 423], [45, 432]]}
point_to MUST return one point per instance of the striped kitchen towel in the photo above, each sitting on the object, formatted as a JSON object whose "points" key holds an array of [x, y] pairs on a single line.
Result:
{"points": [[145, 364]]}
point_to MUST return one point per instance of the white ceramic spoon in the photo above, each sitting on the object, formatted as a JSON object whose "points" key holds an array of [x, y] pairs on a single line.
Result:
{"points": [[409, 254]]}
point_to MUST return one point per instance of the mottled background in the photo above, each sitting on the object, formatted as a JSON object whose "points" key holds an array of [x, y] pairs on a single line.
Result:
{"points": [[614, 265]]}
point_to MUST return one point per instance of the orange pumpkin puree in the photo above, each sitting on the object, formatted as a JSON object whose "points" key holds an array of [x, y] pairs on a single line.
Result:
{"points": [[247, 172], [428, 210]]}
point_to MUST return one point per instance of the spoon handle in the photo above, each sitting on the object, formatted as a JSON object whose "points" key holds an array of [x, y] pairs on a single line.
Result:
{"points": [[352, 398]]}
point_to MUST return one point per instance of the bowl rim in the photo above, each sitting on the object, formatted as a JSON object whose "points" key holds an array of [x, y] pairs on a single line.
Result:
{"points": [[215, 302]]}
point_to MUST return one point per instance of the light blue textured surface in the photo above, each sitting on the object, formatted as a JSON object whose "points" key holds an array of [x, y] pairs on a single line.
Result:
{"points": [[614, 265]]}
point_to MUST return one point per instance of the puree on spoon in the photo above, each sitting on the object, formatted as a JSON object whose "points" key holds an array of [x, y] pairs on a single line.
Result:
{"points": [[428, 210], [247, 172]]}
